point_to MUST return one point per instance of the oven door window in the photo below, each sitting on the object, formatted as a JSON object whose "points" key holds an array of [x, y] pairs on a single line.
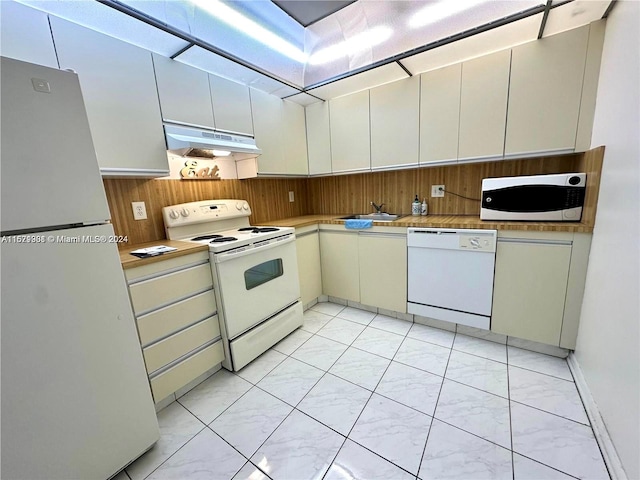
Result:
{"points": [[263, 273]]}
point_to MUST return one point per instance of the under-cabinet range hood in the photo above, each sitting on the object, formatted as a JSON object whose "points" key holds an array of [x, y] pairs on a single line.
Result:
{"points": [[199, 141]]}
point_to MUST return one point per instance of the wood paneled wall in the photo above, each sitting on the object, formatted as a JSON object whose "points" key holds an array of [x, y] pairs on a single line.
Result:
{"points": [[397, 189], [269, 200]]}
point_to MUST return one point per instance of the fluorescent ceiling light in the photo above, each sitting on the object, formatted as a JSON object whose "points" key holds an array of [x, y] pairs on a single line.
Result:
{"points": [[440, 10], [355, 44], [248, 27], [221, 153]]}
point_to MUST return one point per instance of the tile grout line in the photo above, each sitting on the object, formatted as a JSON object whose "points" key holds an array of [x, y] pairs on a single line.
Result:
{"points": [[435, 409], [513, 466]]}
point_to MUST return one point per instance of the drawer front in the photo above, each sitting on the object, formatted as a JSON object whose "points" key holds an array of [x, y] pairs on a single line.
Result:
{"points": [[166, 351], [161, 291], [176, 377], [157, 268], [175, 317]]}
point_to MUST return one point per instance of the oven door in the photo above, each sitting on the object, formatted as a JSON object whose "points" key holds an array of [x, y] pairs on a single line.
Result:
{"points": [[256, 283]]}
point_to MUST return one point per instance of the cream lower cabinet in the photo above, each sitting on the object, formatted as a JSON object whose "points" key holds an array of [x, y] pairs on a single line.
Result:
{"points": [[538, 286], [368, 267], [383, 270], [340, 266], [309, 268], [175, 309]]}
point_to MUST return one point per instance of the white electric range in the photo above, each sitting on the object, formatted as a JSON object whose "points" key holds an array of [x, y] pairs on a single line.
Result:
{"points": [[255, 274]]}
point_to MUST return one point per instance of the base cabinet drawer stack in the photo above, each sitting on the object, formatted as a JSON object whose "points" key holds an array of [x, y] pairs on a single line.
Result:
{"points": [[177, 320]]}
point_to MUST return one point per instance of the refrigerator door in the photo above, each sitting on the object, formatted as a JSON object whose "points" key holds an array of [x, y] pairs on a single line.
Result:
{"points": [[50, 174], [76, 401]]}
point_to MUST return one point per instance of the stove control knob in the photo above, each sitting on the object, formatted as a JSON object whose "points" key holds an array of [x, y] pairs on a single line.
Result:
{"points": [[245, 206], [239, 205], [174, 214], [184, 212]]}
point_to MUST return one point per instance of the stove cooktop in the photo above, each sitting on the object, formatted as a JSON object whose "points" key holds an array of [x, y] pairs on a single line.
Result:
{"points": [[230, 239]]}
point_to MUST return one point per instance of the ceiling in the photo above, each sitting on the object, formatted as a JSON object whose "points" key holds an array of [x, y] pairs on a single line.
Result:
{"points": [[313, 50], [307, 12]]}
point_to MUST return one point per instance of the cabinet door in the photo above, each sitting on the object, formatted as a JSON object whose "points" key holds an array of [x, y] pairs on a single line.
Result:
{"points": [[184, 93], [339, 260], [545, 92], [529, 289], [318, 138], [383, 270], [395, 111], [440, 114], [294, 139], [483, 106], [25, 35], [231, 105], [267, 128], [350, 139], [119, 90], [309, 269]]}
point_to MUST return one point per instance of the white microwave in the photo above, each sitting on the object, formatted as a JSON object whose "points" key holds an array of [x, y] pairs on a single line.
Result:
{"points": [[539, 198]]}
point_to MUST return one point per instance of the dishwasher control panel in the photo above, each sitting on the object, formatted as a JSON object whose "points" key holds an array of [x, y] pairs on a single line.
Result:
{"points": [[482, 243]]}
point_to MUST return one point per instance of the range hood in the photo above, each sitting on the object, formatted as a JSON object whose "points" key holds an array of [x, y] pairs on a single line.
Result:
{"points": [[185, 139]]}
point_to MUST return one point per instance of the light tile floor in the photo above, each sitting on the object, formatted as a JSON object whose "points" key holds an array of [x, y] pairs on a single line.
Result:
{"points": [[353, 394]]}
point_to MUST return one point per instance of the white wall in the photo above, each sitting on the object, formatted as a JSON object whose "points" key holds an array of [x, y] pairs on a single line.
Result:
{"points": [[608, 348]]}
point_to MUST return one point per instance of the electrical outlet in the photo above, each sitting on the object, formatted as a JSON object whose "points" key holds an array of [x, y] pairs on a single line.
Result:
{"points": [[437, 190], [290, 196], [139, 210]]}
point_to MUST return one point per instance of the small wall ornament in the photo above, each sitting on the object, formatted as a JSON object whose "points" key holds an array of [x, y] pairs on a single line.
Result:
{"points": [[194, 171]]}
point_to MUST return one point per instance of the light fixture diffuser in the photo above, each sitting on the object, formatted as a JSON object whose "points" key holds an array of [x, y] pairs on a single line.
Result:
{"points": [[436, 11], [357, 43]]}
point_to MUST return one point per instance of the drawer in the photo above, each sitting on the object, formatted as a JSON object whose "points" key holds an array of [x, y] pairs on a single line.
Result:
{"points": [[165, 321], [166, 351], [178, 376], [156, 268], [161, 291]]}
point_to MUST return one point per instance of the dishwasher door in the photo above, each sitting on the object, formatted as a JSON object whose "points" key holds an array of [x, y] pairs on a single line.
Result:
{"points": [[450, 274]]}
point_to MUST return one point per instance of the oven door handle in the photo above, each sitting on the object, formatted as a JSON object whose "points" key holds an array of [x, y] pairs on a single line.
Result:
{"points": [[253, 249]]}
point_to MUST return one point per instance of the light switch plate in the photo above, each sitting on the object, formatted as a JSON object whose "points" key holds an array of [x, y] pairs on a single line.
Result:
{"points": [[139, 210], [290, 196]]}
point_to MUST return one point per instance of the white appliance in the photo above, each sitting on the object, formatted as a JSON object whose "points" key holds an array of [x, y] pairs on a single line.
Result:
{"points": [[540, 198], [450, 274], [76, 402], [255, 273]]}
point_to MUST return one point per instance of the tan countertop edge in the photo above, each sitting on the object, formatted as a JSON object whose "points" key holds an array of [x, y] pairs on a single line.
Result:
{"points": [[440, 221], [183, 248]]}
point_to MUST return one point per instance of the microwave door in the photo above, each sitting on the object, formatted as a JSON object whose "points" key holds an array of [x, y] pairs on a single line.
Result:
{"points": [[533, 198]]}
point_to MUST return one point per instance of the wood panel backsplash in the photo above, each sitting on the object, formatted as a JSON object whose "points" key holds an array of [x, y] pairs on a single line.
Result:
{"points": [[397, 189], [342, 194], [268, 197]]}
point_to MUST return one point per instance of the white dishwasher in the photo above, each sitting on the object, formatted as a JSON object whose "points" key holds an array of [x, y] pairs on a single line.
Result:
{"points": [[450, 274]]}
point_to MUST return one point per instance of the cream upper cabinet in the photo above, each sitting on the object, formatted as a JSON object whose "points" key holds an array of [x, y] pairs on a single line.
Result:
{"points": [[530, 289], [339, 260], [267, 129], [545, 93], [440, 114], [25, 35], [309, 268], [231, 105], [383, 270], [483, 106], [184, 93], [119, 89], [350, 138], [318, 138], [395, 111], [294, 139]]}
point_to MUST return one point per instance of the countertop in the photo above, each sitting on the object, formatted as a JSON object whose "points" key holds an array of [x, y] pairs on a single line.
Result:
{"points": [[440, 221], [183, 248]]}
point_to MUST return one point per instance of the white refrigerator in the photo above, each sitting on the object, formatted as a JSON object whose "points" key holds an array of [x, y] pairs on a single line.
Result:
{"points": [[76, 402]]}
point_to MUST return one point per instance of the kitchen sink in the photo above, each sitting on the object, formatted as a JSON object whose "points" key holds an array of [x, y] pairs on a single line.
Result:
{"points": [[376, 217]]}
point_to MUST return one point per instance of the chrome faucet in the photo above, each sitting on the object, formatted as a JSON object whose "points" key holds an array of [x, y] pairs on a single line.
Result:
{"points": [[377, 207]]}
